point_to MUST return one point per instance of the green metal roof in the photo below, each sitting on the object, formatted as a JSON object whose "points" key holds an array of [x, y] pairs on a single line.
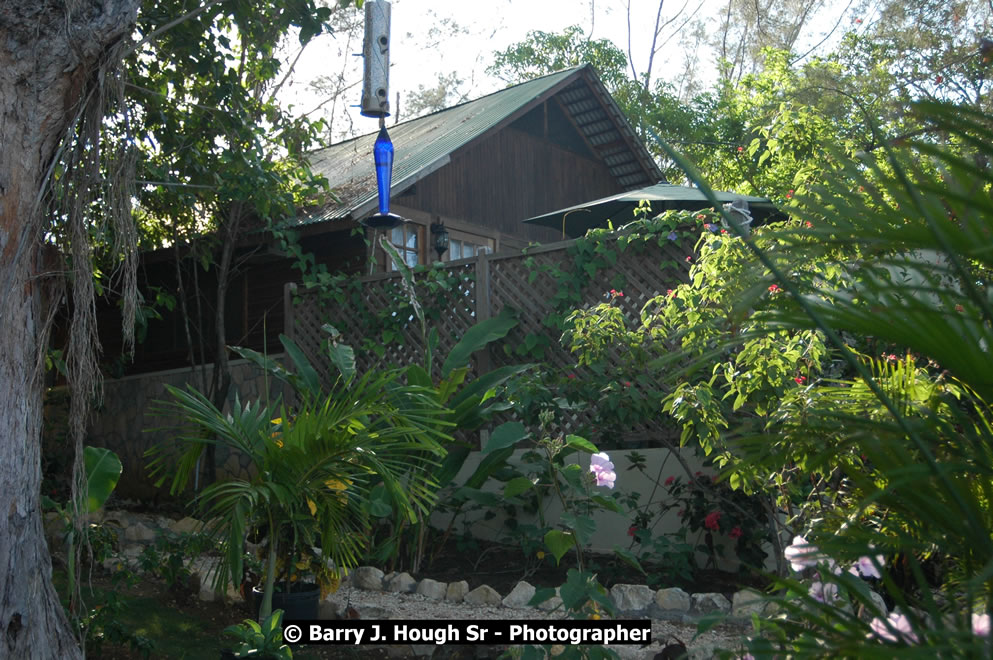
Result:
{"points": [[424, 145]]}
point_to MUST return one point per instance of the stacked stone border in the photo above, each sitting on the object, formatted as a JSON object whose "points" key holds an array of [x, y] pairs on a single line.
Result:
{"points": [[137, 531]]}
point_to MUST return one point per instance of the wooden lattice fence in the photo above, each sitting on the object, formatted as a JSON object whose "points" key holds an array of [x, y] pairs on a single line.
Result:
{"points": [[479, 288]]}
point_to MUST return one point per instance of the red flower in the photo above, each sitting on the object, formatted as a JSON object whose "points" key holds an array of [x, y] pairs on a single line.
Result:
{"points": [[689, 259], [789, 195], [627, 383], [668, 482], [724, 231], [735, 533], [632, 530], [571, 376], [858, 20], [711, 521], [939, 80], [774, 288], [800, 380], [700, 216], [670, 293], [809, 224], [959, 308], [740, 149]]}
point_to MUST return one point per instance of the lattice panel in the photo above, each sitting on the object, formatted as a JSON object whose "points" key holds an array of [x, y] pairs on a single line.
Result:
{"points": [[450, 312], [642, 271]]}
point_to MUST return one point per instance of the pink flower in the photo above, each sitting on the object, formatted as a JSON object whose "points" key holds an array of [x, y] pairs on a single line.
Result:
{"points": [[896, 628], [603, 470], [668, 482], [712, 520], [801, 554], [735, 532], [867, 567], [981, 625], [800, 380], [689, 259], [700, 216], [823, 592]]}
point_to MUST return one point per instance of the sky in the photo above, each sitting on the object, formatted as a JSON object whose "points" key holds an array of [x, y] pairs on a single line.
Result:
{"points": [[431, 38]]}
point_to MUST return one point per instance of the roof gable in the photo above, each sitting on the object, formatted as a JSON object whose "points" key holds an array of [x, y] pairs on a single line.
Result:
{"points": [[425, 144]]}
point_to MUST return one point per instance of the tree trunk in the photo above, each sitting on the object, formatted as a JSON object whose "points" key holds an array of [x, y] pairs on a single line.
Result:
{"points": [[50, 51]]}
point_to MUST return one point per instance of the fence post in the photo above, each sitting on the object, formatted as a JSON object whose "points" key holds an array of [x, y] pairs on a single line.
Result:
{"points": [[289, 290], [483, 311]]}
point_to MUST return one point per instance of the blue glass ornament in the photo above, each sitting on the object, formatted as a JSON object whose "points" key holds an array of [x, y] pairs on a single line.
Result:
{"points": [[383, 154]]}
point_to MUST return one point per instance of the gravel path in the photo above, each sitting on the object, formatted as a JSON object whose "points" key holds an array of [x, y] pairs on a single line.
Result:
{"points": [[393, 606]]}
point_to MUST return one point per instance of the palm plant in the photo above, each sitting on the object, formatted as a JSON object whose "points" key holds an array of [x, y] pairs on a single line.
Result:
{"points": [[317, 466], [907, 236]]}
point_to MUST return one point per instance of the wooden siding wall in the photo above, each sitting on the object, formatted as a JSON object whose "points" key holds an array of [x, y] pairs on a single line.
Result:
{"points": [[505, 178]]}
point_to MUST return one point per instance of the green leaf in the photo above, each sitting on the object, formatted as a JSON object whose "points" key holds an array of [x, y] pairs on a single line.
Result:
{"points": [[583, 526], [450, 467], [307, 375], [582, 444], [490, 464], [608, 503], [517, 486], [559, 543], [477, 337], [343, 357], [481, 497], [506, 435], [417, 375], [103, 470], [628, 558], [573, 475], [541, 594], [380, 504]]}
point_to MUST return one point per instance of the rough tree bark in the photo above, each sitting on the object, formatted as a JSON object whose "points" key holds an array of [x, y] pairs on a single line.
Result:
{"points": [[50, 54]]}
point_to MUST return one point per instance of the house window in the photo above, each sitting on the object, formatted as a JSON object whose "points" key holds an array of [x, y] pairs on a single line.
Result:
{"points": [[406, 240], [463, 246]]}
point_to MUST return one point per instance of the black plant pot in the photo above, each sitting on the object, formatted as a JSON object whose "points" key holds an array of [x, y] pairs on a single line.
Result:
{"points": [[300, 603]]}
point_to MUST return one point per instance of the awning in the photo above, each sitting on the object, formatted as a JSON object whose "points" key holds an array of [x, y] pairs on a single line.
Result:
{"points": [[619, 209]]}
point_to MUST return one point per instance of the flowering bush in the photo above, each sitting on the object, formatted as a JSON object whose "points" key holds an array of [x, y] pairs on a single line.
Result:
{"points": [[715, 522]]}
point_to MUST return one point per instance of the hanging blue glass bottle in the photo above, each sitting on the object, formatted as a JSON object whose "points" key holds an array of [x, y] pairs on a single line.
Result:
{"points": [[382, 152]]}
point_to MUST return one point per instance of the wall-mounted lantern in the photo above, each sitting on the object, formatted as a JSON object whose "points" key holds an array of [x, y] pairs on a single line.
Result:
{"points": [[439, 238]]}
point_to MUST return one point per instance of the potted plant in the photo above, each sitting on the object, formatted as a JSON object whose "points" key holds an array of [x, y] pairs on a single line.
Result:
{"points": [[317, 468]]}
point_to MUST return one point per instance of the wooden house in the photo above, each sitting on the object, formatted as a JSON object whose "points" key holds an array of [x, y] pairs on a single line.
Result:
{"points": [[479, 168]]}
